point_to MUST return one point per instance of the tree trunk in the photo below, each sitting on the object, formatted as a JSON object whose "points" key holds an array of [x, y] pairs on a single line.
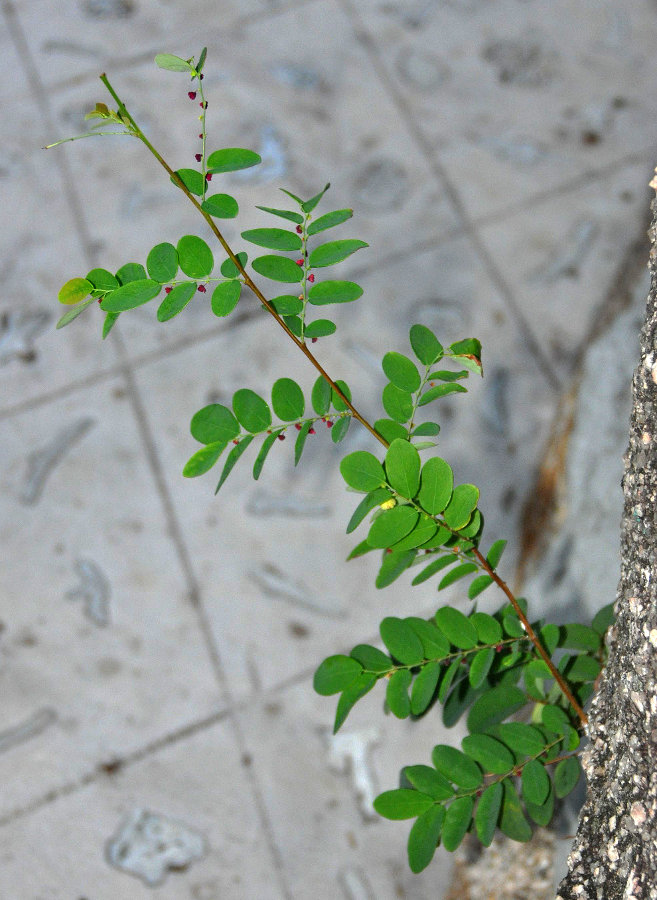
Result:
{"points": [[614, 855]]}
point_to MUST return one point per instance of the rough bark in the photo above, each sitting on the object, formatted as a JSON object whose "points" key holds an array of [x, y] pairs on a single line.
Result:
{"points": [[614, 855]]}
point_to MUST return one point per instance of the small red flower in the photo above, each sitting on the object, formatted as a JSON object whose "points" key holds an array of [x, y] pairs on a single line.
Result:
{"points": [[168, 290], [202, 288], [198, 157], [311, 278], [297, 426], [299, 229], [191, 95], [299, 262], [281, 437], [235, 441], [313, 340], [203, 105], [208, 176], [311, 431], [329, 424], [201, 76], [201, 135], [498, 648]]}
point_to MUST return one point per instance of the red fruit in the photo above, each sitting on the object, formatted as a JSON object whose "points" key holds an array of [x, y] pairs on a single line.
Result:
{"points": [[208, 176], [191, 95], [299, 229], [299, 262], [198, 157], [202, 288], [168, 290], [311, 278], [281, 437], [297, 426]]}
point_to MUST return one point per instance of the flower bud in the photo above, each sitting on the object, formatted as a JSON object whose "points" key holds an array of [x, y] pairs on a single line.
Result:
{"points": [[299, 262], [202, 288], [198, 157], [311, 278]]}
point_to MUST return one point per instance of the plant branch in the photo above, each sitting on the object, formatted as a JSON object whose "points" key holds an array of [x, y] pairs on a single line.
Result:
{"points": [[233, 257]]}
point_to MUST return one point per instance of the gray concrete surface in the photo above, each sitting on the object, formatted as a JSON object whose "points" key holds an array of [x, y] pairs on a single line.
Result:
{"points": [[158, 731]]}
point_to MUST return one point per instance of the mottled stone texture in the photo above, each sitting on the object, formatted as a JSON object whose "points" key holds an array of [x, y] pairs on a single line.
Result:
{"points": [[615, 850]]}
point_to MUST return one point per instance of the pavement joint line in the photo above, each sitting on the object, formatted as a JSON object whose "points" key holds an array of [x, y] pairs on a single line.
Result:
{"points": [[542, 361]]}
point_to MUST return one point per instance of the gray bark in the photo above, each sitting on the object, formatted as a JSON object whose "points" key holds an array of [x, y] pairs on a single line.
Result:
{"points": [[614, 854]]}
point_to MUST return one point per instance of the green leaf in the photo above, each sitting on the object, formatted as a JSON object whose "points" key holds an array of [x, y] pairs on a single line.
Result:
{"points": [[494, 706], [283, 214], [495, 554], [455, 765], [397, 693], [459, 509], [580, 668], [440, 390], [308, 205], [397, 403], [455, 574], [391, 526], [131, 295], [336, 400], [602, 619], [287, 304], [566, 776], [195, 256], [434, 567], [368, 503], [393, 565], [401, 641], [162, 262], [193, 180], [287, 399], [521, 738], [225, 297], [203, 460], [73, 313], [437, 485], [402, 804], [457, 627], [176, 300], [229, 269], [512, 625], [278, 268], [491, 754], [423, 531], [350, 696], [401, 371], [436, 645], [480, 666], [446, 683], [320, 328], [231, 159], [335, 674], [423, 838], [460, 699], [549, 635], [267, 444], [329, 220], [390, 430], [403, 468], [428, 781], [214, 423], [333, 252], [251, 411], [362, 471], [109, 323], [201, 60], [131, 272], [273, 238], [321, 396], [426, 428], [478, 585], [542, 814], [300, 442], [232, 458], [372, 659], [102, 280], [457, 821], [424, 687], [221, 206], [334, 292], [172, 63], [340, 429], [579, 637], [512, 822], [425, 344], [445, 375], [488, 811], [535, 782], [489, 630], [74, 291]]}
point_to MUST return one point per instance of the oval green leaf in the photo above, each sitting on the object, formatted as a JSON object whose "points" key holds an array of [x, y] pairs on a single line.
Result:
{"points": [[401, 371], [193, 181], [287, 399], [329, 220], [203, 460], [402, 804], [131, 295], [74, 291], [535, 782], [457, 627], [320, 328], [172, 63], [489, 630], [214, 423], [459, 509], [494, 706], [273, 238], [221, 206], [225, 297], [176, 300], [424, 687], [231, 159], [397, 403], [566, 776], [403, 468], [334, 292], [397, 697], [480, 666], [391, 526], [162, 262], [401, 641], [488, 811], [362, 471], [457, 821], [437, 485], [102, 280], [491, 754], [512, 821], [351, 695], [278, 268], [131, 272], [195, 256], [423, 838], [251, 411], [425, 344], [372, 659], [335, 674], [457, 767], [73, 313], [321, 396], [334, 252]]}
